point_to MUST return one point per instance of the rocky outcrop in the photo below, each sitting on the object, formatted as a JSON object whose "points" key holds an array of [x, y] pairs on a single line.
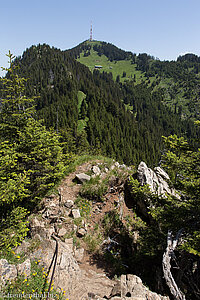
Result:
{"points": [[131, 287], [159, 184], [158, 180], [82, 177], [7, 271], [61, 218], [10, 271]]}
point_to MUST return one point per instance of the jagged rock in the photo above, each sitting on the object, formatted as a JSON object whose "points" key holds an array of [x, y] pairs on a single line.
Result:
{"points": [[67, 273], [62, 231], [160, 172], [116, 291], [106, 170], [96, 170], [23, 247], [76, 213], [79, 253], [131, 287], [157, 181], [24, 268], [70, 243], [7, 271], [81, 232], [82, 177], [38, 227], [69, 203]]}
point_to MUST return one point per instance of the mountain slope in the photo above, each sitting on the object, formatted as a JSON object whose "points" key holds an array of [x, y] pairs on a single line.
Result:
{"points": [[179, 80], [98, 119]]}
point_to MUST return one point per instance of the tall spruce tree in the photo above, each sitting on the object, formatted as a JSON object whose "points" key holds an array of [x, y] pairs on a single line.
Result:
{"points": [[31, 158]]}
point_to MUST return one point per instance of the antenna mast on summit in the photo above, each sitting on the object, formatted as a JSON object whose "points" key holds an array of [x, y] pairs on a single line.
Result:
{"points": [[91, 32]]}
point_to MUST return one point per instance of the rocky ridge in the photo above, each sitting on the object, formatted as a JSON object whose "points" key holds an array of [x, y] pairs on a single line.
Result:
{"points": [[62, 218]]}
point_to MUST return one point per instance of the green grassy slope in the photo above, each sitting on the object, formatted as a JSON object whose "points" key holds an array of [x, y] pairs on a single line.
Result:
{"points": [[179, 81], [115, 67], [82, 123]]}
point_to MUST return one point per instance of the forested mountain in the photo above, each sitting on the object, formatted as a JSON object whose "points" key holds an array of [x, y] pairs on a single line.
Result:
{"points": [[124, 121], [179, 80], [53, 107]]}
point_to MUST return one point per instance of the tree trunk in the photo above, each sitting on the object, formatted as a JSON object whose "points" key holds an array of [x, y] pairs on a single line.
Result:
{"points": [[171, 245]]}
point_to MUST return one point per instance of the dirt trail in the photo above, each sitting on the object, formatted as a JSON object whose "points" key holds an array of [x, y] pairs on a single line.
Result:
{"points": [[70, 191]]}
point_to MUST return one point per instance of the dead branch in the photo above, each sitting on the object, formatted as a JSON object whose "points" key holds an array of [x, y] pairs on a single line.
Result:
{"points": [[169, 253]]}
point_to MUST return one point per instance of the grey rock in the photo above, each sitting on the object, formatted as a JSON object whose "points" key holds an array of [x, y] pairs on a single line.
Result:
{"points": [[82, 177], [70, 243], [38, 227], [161, 173], [157, 181], [69, 203], [131, 287], [23, 247], [96, 170], [79, 253], [7, 271], [76, 213], [24, 268], [62, 232], [67, 273]]}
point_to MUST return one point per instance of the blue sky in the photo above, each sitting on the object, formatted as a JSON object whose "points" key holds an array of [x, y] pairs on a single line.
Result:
{"points": [[163, 28]]}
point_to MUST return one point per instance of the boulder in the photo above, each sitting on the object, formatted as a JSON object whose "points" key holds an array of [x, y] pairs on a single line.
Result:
{"points": [[70, 243], [7, 271], [76, 213], [24, 247], [131, 287], [96, 170], [158, 181], [62, 231], [24, 268], [79, 253], [82, 177], [69, 203], [39, 227], [67, 272]]}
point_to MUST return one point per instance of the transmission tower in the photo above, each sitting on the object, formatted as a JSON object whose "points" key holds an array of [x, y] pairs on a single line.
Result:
{"points": [[91, 32]]}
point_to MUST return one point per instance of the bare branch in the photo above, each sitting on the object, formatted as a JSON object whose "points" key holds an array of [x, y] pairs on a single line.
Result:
{"points": [[169, 253]]}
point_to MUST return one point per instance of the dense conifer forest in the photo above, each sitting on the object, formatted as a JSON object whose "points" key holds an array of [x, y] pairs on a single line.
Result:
{"points": [[56, 79]]}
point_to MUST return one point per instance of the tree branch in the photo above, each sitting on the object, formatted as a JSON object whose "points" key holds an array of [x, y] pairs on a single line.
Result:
{"points": [[169, 253]]}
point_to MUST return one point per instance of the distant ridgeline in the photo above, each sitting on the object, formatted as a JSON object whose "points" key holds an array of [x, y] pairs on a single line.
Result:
{"points": [[123, 119]]}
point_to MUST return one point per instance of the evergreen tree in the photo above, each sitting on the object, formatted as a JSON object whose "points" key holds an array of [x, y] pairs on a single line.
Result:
{"points": [[31, 159]]}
